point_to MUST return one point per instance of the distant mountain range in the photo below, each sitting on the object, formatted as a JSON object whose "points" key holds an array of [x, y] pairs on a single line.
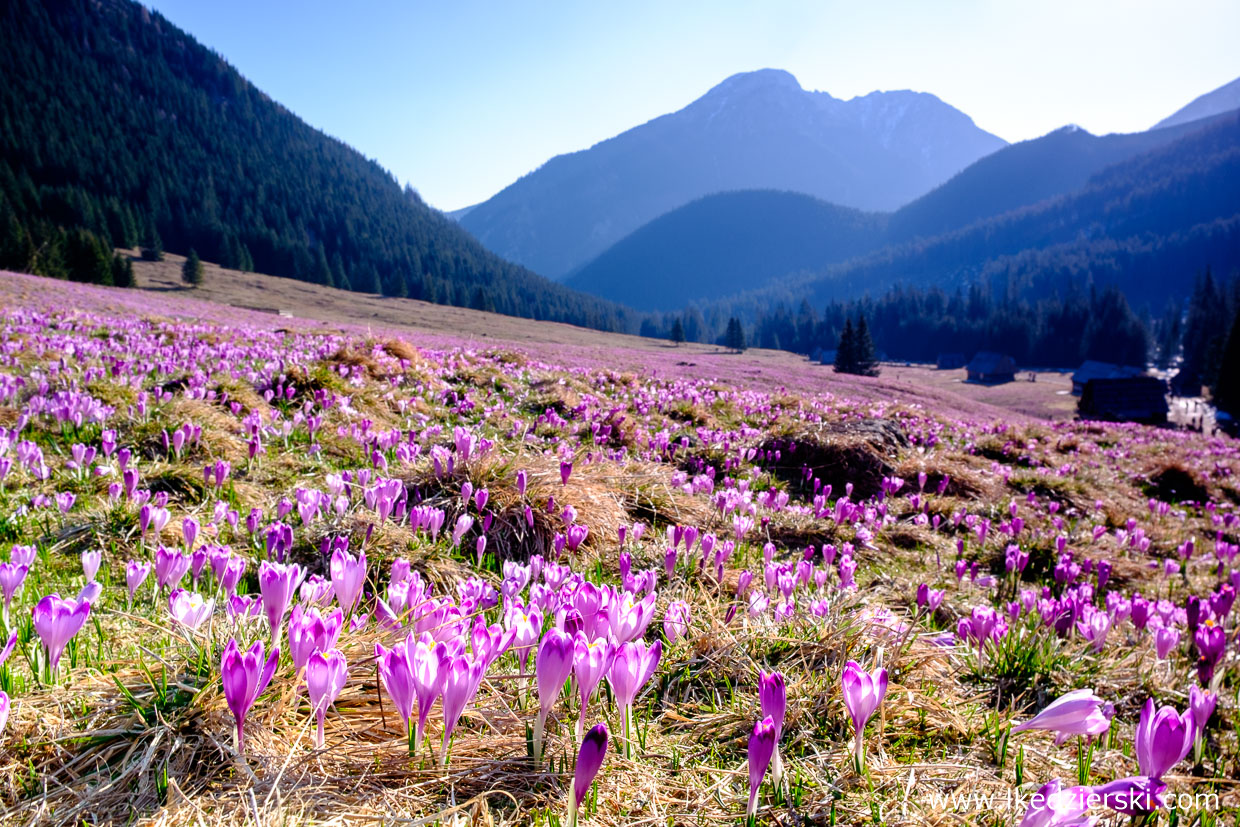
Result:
{"points": [[757, 130], [740, 241]]}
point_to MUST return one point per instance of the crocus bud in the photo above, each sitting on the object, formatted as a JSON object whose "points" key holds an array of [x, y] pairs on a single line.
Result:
{"points": [[761, 747], [589, 761]]}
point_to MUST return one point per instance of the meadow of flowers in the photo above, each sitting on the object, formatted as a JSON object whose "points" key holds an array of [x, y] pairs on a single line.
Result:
{"points": [[303, 575]]}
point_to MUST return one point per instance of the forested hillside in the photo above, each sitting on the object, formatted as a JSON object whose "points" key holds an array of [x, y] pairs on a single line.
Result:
{"points": [[119, 129]]}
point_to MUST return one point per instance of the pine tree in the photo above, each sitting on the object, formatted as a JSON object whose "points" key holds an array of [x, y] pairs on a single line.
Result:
{"points": [[191, 270], [866, 359], [678, 332], [734, 338], [152, 244], [122, 271], [846, 349]]}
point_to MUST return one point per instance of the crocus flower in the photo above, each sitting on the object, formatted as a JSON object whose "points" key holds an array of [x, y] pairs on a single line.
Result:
{"points": [[1079, 712], [552, 666], [348, 578], [326, 674], [773, 698], [1211, 646], [4, 711], [761, 747], [12, 576], [245, 676], [589, 761], [1163, 738], [8, 648], [90, 564], [566, 469], [397, 675], [1166, 639], [57, 621], [309, 631], [277, 583], [631, 668], [591, 660], [462, 676], [428, 662], [1053, 806], [170, 566], [863, 694], [189, 609]]}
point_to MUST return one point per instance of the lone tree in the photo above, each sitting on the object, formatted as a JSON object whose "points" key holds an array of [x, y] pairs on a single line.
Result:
{"points": [[855, 352], [191, 271], [678, 332], [734, 339]]}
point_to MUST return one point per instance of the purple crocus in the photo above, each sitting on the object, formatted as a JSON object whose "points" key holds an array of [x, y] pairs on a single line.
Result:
{"points": [[566, 470], [761, 748], [462, 677], [1211, 646], [863, 694], [631, 668], [12, 577], [277, 583], [90, 564], [170, 567], [348, 577], [397, 675], [591, 660], [773, 698], [1053, 806], [310, 631], [189, 609], [589, 761], [326, 674], [552, 666], [245, 676], [57, 621], [1163, 738], [4, 711], [428, 662], [1079, 712]]}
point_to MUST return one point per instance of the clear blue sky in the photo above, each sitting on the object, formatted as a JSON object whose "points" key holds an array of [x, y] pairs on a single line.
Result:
{"points": [[459, 97]]}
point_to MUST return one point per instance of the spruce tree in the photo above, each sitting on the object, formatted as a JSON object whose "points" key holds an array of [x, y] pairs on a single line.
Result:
{"points": [[122, 271], [678, 332], [191, 270], [846, 349], [864, 354]]}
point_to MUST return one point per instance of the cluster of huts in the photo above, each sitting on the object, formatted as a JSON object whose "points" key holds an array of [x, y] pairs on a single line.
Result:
{"points": [[1117, 393]]}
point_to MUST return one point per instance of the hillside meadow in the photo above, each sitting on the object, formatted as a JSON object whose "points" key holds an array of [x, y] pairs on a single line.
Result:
{"points": [[388, 569]]}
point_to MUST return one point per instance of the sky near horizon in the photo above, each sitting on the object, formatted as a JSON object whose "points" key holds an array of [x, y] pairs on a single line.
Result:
{"points": [[461, 98]]}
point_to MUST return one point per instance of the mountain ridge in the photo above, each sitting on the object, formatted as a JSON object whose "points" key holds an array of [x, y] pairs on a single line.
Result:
{"points": [[753, 130]]}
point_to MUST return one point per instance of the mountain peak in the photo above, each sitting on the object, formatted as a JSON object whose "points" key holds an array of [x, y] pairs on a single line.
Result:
{"points": [[757, 80]]}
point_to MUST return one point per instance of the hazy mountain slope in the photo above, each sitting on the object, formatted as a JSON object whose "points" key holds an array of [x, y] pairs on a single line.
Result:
{"points": [[726, 243], [1023, 174], [1147, 224], [1226, 98], [116, 122], [758, 130]]}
